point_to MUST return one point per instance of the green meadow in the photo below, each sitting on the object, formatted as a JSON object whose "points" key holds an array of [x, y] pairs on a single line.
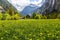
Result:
{"points": [[42, 29]]}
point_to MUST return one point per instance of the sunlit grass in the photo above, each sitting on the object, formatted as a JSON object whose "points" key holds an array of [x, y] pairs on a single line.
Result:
{"points": [[42, 29]]}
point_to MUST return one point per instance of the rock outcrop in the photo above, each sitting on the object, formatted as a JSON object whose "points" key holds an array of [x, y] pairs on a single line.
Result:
{"points": [[49, 6], [1, 10], [57, 6], [5, 4]]}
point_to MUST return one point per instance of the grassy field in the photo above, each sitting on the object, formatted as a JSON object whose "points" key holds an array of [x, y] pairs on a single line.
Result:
{"points": [[30, 29]]}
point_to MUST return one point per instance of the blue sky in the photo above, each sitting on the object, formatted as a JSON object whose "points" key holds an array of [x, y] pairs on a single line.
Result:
{"points": [[20, 4]]}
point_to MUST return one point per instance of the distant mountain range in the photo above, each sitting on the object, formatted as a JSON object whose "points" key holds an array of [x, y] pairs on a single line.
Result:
{"points": [[25, 9], [46, 7], [29, 9]]}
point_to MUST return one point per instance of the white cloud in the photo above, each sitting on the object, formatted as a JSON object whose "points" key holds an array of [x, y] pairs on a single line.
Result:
{"points": [[22, 3]]}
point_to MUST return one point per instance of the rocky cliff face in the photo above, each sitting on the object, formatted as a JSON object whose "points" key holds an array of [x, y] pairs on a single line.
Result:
{"points": [[57, 6], [1, 10], [49, 6], [5, 4]]}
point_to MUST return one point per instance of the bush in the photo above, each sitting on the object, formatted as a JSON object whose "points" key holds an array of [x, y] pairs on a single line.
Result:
{"points": [[37, 17], [24, 17], [58, 16], [6, 16], [16, 16], [33, 15], [12, 17], [44, 17], [1, 16], [53, 16]]}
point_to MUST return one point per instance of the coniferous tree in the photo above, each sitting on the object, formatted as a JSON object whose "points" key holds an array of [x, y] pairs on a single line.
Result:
{"points": [[11, 11], [33, 15]]}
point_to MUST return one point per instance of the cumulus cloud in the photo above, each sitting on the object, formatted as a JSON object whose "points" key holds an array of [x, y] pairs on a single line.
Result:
{"points": [[20, 4]]}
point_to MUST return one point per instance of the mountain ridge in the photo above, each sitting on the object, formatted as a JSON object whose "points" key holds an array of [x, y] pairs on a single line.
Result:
{"points": [[29, 9], [5, 4]]}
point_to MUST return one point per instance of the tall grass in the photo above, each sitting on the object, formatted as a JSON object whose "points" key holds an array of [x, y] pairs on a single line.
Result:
{"points": [[30, 29]]}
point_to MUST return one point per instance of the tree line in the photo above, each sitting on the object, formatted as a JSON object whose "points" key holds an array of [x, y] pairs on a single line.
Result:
{"points": [[10, 14]]}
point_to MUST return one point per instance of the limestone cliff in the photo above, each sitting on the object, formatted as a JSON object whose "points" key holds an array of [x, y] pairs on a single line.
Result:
{"points": [[5, 4]]}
